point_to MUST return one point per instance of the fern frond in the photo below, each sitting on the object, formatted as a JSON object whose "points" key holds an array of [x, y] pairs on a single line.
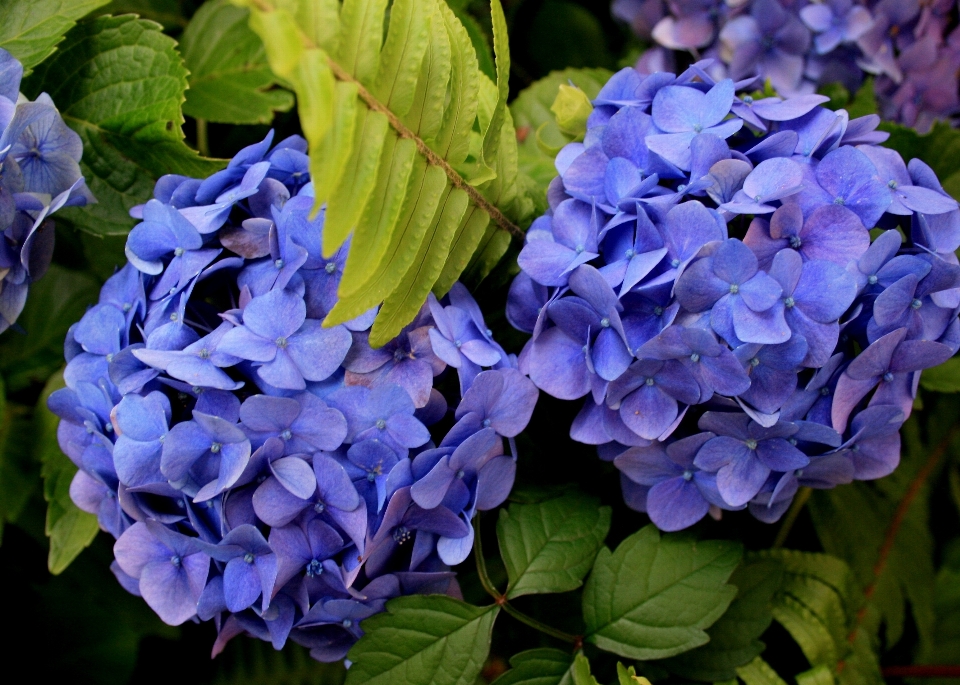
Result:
{"points": [[412, 148]]}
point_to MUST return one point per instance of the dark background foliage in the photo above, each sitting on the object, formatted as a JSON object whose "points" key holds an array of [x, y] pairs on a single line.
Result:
{"points": [[81, 627]]}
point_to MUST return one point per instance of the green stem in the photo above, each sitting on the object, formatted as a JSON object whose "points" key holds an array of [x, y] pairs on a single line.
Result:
{"points": [[203, 142], [798, 503], [501, 600]]}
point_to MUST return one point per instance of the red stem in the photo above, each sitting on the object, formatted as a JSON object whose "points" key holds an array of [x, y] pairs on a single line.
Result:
{"points": [[891, 535], [935, 671]]}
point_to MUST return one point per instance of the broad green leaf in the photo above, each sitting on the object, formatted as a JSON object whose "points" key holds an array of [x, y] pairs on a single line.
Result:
{"points": [[70, 530], [943, 378], [533, 118], [31, 29], [230, 80], [423, 640], [550, 546], [734, 638], [758, 672], [119, 83], [655, 596], [56, 301], [538, 667]]}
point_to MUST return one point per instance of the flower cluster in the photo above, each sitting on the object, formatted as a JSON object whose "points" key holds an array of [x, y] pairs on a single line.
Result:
{"points": [[706, 272], [912, 47], [39, 174], [256, 467]]}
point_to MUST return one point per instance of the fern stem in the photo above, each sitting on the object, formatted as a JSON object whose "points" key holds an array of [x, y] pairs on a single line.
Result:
{"points": [[798, 503], [903, 508], [432, 157], [501, 600]]}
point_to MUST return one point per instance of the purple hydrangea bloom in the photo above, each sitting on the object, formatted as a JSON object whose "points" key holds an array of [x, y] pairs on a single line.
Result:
{"points": [[39, 174], [731, 286], [256, 467]]}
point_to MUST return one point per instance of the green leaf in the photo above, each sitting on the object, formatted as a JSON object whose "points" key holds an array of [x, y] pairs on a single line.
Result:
{"points": [[119, 83], [818, 675], [538, 667], [550, 546], [430, 160], [70, 530], [943, 378], [581, 671], [758, 672], [428, 640], [531, 114], [734, 638], [56, 301], [168, 13], [655, 596], [31, 29], [230, 80]]}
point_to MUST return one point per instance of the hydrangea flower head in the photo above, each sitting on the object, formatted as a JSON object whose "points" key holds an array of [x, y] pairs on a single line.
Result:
{"points": [[257, 468], [909, 47], [39, 174], [733, 328]]}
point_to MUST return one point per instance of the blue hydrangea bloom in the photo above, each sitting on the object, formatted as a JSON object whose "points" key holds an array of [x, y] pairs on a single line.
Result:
{"points": [[39, 174], [909, 48], [733, 328], [282, 478]]}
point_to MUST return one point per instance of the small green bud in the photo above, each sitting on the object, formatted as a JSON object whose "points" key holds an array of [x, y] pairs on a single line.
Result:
{"points": [[572, 107]]}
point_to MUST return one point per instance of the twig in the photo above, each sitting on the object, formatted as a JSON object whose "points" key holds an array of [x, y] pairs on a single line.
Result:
{"points": [[501, 600], [203, 143]]}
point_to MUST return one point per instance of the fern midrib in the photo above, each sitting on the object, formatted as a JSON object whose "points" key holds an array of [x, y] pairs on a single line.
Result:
{"points": [[432, 157]]}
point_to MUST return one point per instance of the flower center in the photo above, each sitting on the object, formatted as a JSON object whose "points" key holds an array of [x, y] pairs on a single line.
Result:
{"points": [[694, 357], [347, 623], [286, 434], [319, 507], [402, 535], [605, 322], [381, 424], [675, 263], [649, 382], [281, 342], [916, 304], [888, 377], [178, 252], [371, 476], [330, 267], [658, 311], [215, 447], [579, 249], [127, 306], [734, 288], [872, 280], [458, 343], [248, 557], [486, 423], [824, 392], [314, 568], [204, 353], [279, 263], [175, 560], [789, 302], [110, 357], [795, 242], [697, 128], [629, 254], [838, 200], [748, 99], [751, 444], [892, 184], [755, 362], [687, 475], [460, 473]]}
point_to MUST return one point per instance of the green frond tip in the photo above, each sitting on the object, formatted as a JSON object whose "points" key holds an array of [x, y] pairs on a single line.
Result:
{"points": [[413, 150]]}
